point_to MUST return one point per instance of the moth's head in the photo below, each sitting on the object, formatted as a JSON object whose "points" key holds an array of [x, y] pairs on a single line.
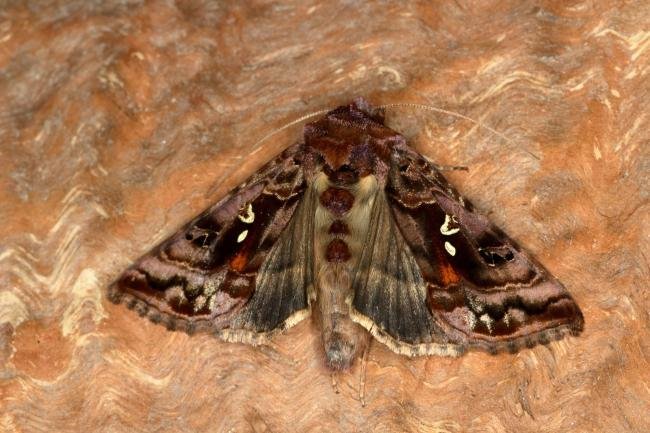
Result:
{"points": [[352, 142]]}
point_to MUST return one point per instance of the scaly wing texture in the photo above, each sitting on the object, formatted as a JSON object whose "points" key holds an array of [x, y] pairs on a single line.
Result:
{"points": [[240, 269], [435, 277], [389, 293]]}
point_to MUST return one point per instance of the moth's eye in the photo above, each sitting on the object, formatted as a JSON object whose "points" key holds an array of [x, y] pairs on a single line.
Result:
{"points": [[403, 167], [189, 236], [496, 256]]}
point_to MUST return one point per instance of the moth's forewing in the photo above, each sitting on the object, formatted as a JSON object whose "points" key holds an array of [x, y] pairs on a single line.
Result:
{"points": [[240, 268], [482, 289]]}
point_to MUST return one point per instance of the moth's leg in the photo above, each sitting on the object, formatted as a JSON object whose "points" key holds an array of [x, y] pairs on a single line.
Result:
{"points": [[335, 382], [362, 376]]}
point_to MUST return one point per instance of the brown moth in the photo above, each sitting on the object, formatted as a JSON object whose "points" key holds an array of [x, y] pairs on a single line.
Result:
{"points": [[356, 227]]}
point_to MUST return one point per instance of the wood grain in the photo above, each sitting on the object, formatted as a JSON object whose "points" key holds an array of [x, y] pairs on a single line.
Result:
{"points": [[119, 121]]}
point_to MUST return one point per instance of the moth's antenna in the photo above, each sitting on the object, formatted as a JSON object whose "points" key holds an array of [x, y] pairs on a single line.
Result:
{"points": [[460, 116], [289, 125]]}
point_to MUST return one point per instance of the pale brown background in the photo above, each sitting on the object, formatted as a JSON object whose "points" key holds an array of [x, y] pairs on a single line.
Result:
{"points": [[121, 120]]}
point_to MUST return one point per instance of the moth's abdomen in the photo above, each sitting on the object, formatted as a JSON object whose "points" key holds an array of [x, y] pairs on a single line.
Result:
{"points": [[337, 201], [337, 251], [341, 223], [342, 218]]}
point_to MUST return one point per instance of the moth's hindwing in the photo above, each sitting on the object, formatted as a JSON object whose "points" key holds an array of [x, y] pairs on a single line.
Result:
{"points": [[242, 268], [431, 251], [389, 292]]}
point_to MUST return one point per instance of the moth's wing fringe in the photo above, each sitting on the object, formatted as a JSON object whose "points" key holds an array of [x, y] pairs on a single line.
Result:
{"points": [[403, 348], [454, 350], [527, 341], [190, 327]]}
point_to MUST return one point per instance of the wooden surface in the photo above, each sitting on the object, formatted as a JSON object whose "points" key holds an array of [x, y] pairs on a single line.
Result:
{"points": [[121, 120]]}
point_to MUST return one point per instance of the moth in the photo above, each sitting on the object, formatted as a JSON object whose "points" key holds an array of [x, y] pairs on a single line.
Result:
{"points": [[355, 227]]}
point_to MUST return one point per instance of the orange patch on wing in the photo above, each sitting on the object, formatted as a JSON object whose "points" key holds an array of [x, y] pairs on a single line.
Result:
{"points": [[447, 273], [239, 261]]}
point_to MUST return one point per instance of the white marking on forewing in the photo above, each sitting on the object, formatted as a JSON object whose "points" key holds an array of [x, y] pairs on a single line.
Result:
{"points": [[242, 236], [199, 303], [249, 216], [444, 228], [471, 319], [485, 318], [450, 249]]}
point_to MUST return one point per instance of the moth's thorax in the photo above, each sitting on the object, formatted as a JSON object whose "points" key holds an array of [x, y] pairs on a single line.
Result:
{"points": [[351, 143]]}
